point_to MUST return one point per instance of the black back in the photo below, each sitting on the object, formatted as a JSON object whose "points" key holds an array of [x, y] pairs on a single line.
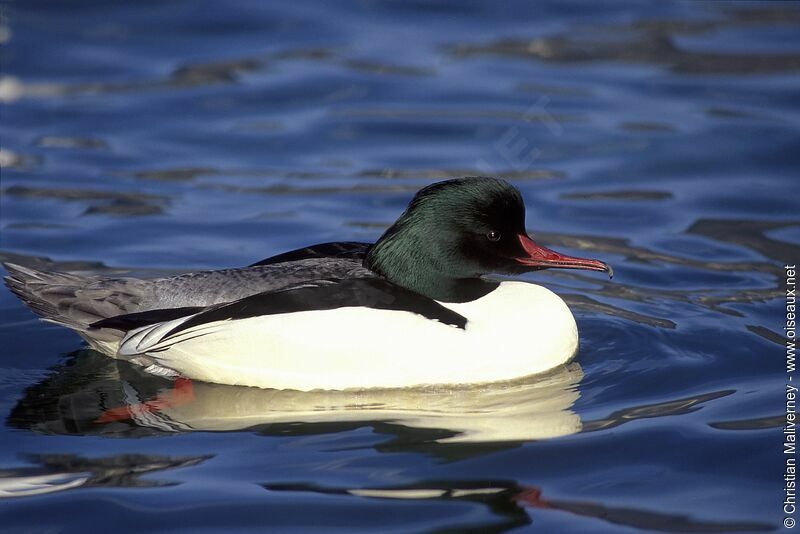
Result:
{"points": [[351, 250]]}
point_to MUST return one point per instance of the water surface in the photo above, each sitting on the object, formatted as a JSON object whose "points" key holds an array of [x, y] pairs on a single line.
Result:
{"points": [[662, 138]]}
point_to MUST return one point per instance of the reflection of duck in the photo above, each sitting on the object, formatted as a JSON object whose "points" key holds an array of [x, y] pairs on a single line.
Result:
{"points": [[92, 394], [525, 410], [411, 309]]}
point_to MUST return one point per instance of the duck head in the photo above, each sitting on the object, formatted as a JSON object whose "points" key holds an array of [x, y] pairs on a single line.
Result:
{"points": [[456, 231]]}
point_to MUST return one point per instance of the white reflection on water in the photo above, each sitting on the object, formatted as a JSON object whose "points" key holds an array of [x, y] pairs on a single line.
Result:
{"points": [[533, 408], [92, 394]]}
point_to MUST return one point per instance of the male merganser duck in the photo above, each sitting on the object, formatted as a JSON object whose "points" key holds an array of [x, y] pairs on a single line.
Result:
{"points": [[414, 308]]}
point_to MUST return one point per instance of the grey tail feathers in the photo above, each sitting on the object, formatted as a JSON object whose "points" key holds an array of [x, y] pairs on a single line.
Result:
{"points": [[67, 299]]}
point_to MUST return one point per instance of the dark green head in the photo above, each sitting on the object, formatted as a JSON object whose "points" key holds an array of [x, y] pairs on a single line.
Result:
{"points": [[455, 231]]}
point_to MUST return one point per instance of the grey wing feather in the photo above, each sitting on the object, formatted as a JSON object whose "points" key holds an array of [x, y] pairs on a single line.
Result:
{"points": [[207, 288], [72, 300], [78, 301]]}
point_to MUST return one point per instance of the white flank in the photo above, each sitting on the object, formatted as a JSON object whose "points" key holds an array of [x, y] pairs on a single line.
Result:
{"points": [[517, 330]]}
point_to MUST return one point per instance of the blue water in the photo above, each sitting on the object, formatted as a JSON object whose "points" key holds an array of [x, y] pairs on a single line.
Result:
{"points": [[664, 138]]}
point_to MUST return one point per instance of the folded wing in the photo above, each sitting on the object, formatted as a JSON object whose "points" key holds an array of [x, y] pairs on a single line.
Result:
{"points": [[157, 330]]}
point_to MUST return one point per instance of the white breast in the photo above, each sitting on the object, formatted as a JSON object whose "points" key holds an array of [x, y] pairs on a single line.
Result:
{"points": [[517, 330]]}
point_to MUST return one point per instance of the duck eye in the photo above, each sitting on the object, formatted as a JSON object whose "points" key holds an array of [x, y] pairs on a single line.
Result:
{"points": [[493, 236]]}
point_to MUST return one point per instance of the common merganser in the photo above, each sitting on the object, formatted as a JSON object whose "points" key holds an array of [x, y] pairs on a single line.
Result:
{"points": [[413, 308]]}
